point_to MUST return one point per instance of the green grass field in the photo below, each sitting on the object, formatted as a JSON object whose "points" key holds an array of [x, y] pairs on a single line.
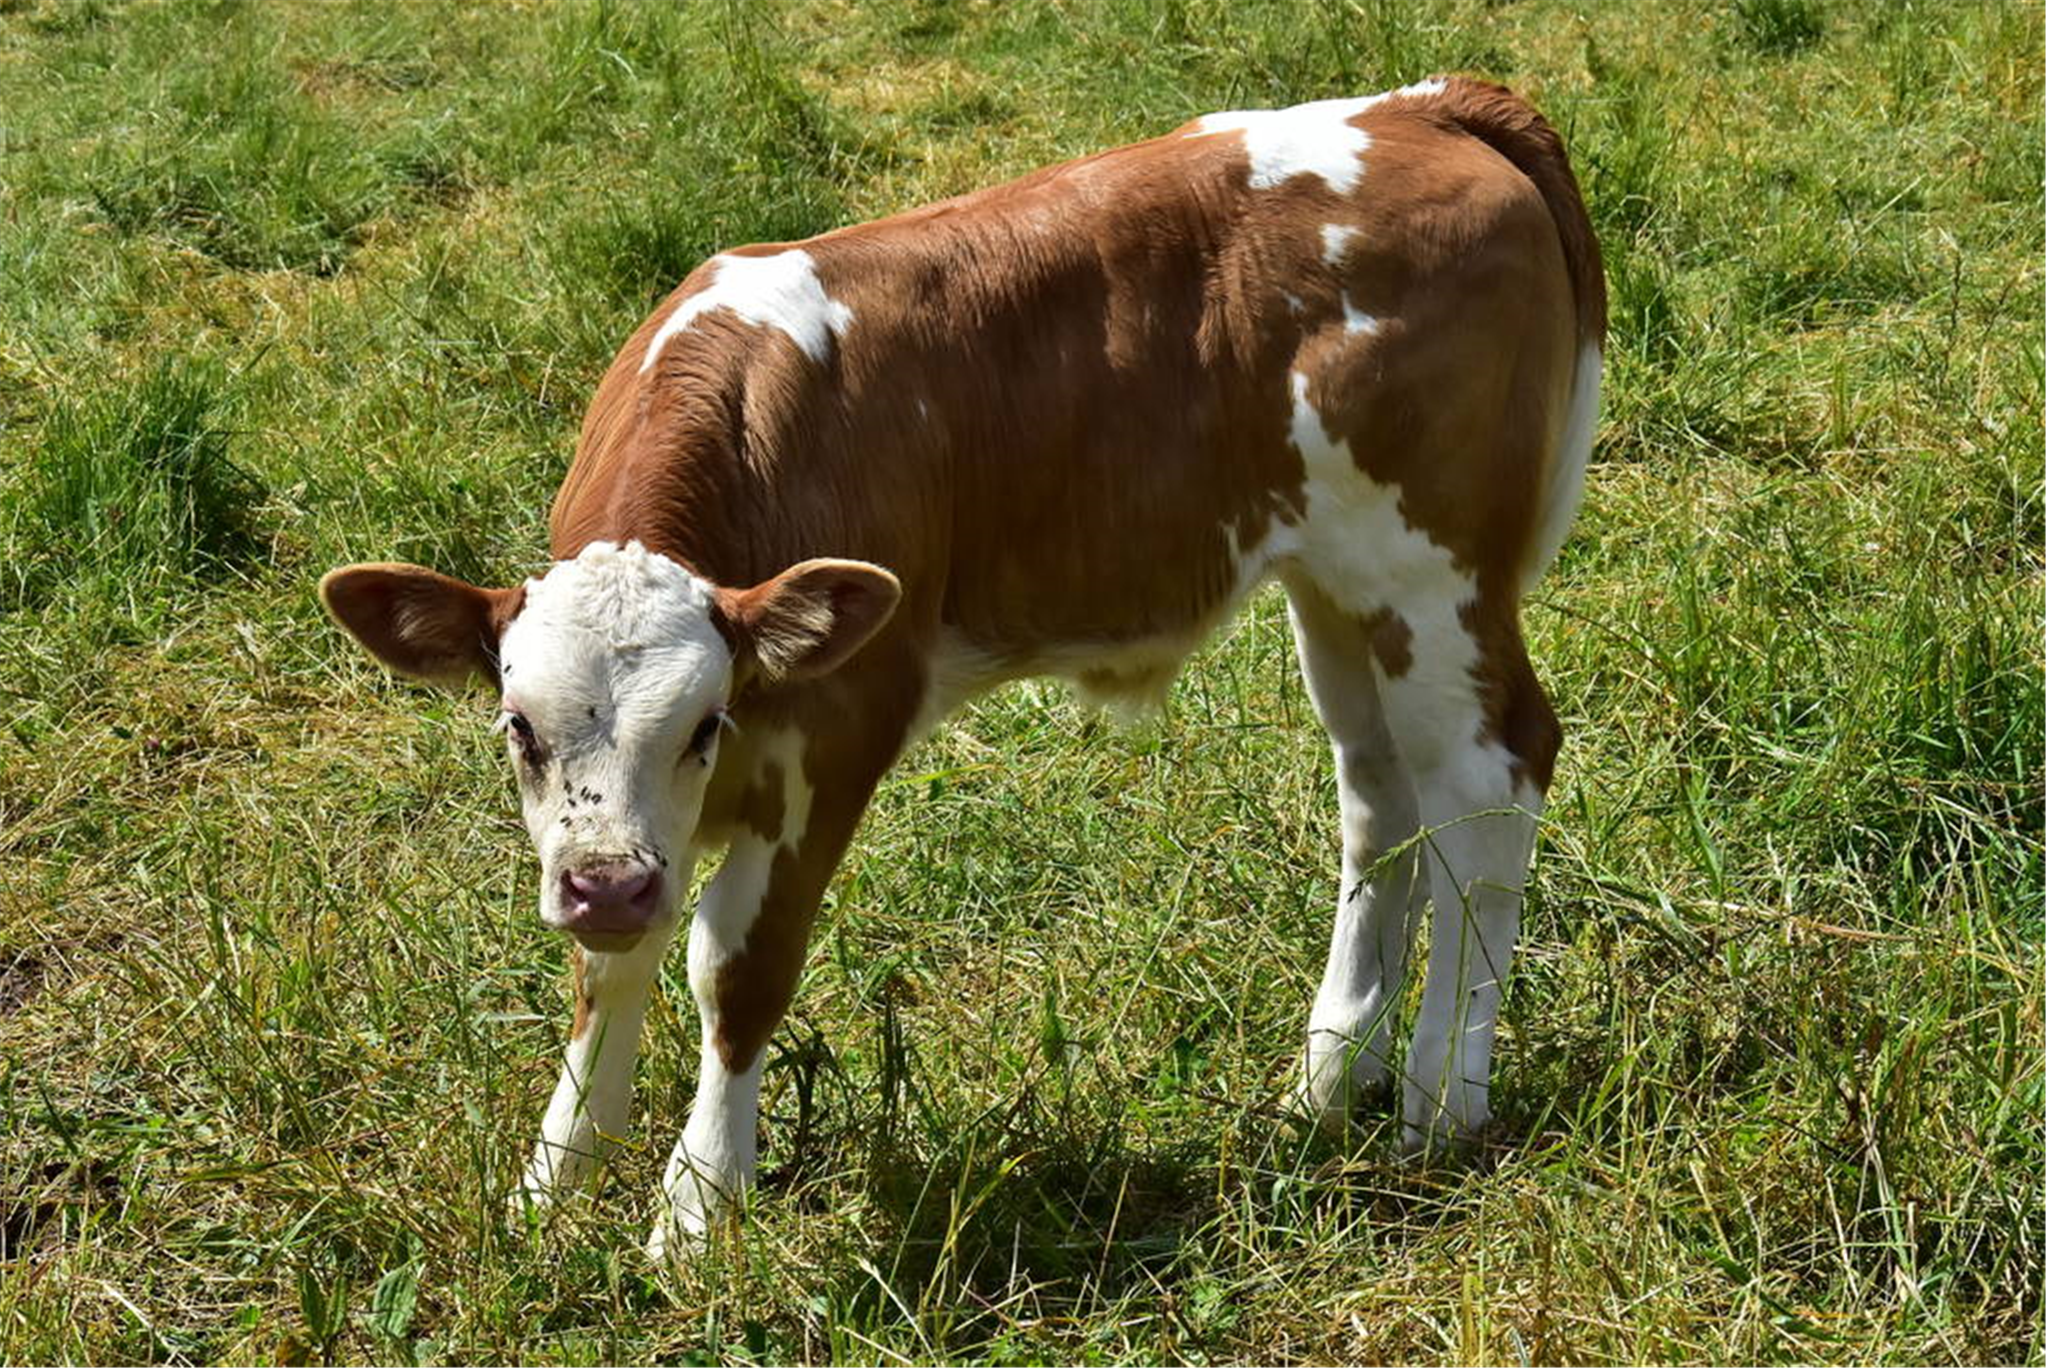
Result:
{"points": [[287, 285]]}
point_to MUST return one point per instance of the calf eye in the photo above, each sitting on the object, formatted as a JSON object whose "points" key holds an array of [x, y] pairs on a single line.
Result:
{"points": [[705, 733], [522, 733]]}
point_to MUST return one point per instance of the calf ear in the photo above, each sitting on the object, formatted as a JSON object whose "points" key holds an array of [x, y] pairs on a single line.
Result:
{"points": [[420, 623], [808, 619]]}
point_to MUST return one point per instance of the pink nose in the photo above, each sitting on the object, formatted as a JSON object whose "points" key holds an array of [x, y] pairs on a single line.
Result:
{"points": [[610, 898]]}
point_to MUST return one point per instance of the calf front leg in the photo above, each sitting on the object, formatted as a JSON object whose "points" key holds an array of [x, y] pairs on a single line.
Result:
{"points": [[592, 1103], [714, 1160], [746, 948]]}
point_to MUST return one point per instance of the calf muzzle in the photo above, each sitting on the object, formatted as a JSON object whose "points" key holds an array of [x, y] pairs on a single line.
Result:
{"points": [[610, 903]]}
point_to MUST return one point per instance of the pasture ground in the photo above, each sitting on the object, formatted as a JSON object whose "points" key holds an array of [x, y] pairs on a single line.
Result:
{"points": [[286, 285]]}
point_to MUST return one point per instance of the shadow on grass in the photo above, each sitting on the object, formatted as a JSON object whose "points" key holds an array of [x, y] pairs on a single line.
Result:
{"points": [[1033, 1218], [997, 1230]]}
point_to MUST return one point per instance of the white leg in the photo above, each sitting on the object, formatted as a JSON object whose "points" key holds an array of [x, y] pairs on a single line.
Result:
{"points": [[712, 1165], [1378, 901], [592, 1104], [1474, 727], [746, 950], [1477, 864]]}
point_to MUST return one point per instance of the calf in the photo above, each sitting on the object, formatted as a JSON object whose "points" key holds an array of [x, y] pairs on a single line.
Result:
{"points": [[831, 490]]}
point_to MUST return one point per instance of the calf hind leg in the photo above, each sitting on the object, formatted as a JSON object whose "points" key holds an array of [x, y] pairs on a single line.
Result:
{"points": [[1479, 738], [1379, 898]]}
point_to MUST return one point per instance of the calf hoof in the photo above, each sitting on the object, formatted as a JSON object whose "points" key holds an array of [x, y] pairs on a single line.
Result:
{"points": [[541, 1189], [1325, 1111], [669, 1246], [690, 1210], [1447, 1142], [1329, 1091]]}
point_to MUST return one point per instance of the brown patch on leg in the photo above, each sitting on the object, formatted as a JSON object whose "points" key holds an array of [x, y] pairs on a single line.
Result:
{"points": [[1528, 728], [1392, 641], [753, 987], [582, 997], [1517, 711], [751, 990]]}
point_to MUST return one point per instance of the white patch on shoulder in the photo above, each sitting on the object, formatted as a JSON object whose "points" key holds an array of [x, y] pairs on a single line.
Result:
{"points": [[780, 291], [1315, 139], [1355, 320]]}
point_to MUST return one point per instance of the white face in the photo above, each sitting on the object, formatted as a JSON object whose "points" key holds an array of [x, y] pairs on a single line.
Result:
{"points": [[615, 682]]}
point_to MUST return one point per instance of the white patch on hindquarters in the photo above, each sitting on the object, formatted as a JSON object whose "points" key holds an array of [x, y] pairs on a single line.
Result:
{"points": [[1355, 320], [780, 291], [1306, 140], [1335, 241], [1354, 543], [1316, 139]]}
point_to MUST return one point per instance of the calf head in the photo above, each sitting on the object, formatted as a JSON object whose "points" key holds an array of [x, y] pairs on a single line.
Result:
{"points": [[614, 672]]}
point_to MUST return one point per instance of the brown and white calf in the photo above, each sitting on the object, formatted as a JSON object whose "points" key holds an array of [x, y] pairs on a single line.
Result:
{"points": [[831, 490]]}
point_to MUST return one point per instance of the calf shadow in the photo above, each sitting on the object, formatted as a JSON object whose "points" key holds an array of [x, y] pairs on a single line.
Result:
{"points": [[1043, 1213], [1057, 1224]]}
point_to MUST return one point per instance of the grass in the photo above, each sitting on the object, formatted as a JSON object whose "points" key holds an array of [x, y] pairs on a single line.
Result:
{"points": [[284, 286], [134, 484]]}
